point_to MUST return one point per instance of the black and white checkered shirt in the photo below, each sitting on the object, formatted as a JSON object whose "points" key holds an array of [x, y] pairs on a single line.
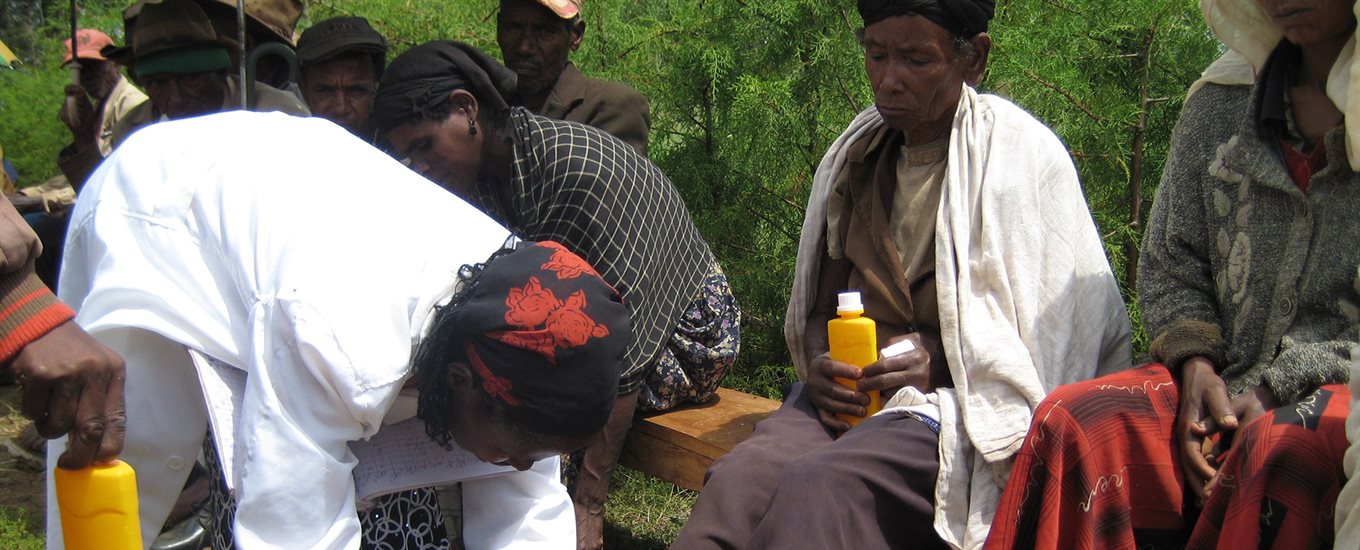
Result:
{"points": [[596, 195]]}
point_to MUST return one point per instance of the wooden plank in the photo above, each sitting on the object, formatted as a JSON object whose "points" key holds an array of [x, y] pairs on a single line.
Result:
{"points": [[679, 445], [712, 428], [657, 457]]}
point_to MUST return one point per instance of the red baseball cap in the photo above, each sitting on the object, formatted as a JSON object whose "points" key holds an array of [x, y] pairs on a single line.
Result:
{"points": [[566, 9], [88, 43]]}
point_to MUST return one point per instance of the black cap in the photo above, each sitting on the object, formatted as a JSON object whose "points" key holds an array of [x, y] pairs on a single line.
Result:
{"points": [[339, 35]]}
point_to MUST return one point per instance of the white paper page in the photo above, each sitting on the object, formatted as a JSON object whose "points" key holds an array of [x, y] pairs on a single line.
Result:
{"points": [[400, 457], [224, 389]]}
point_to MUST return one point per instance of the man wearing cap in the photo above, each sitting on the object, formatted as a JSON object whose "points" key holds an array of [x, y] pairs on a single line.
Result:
{"points": [[185, 68], [91, 123], [341, 61], [101, 80], [536, 37]]}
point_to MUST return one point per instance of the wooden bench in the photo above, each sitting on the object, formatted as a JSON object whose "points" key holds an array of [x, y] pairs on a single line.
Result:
{"points": [[679, 445]]}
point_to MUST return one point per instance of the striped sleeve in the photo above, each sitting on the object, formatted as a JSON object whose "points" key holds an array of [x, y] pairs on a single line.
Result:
{"points": [[28, 310]]}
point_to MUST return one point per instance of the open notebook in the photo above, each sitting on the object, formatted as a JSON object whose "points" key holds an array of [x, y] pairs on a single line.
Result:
{"points": [[399, 457]]}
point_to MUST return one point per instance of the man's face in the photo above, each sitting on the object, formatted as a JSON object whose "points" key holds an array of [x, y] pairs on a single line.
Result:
{"points": [[342, 90], [535, 43], [186, 95], [98, 78], [915, 74]]}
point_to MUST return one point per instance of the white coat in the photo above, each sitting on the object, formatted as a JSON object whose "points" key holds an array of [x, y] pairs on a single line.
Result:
{"points": [[289, 249]]}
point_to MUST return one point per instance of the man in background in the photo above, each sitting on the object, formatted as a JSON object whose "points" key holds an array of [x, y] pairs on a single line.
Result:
{"points": [[185, 66], [102, 98], [341, 60], [536, 38]]}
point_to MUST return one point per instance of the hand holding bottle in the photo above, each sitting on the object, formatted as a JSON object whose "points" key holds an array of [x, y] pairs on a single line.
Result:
{"points": [[910, 367]]}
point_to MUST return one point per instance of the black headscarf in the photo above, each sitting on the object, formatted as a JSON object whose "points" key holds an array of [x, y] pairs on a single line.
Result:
{"points": [[419, 81], [964, 18], [543, 336]]}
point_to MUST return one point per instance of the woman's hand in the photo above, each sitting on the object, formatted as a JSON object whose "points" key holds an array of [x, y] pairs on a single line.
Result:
{"points": [[1205, 410], [911, 368], [830, 397]]}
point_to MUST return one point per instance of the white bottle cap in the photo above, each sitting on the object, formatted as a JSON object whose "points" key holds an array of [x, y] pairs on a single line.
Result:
{"points": [[848, 302]]}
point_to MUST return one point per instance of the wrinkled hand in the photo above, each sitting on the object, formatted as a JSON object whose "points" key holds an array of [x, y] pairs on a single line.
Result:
{"points": [[18, 243], [78, 113], [907, 369], [1251, 405], [1247, 407], [1205, 410], [830, 397], [73, 384]]}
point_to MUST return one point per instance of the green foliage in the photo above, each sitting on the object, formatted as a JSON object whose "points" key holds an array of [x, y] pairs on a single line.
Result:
{"points": [[31, 93], [644, 512], [1099, 74], [746, 96], [15, 535]]}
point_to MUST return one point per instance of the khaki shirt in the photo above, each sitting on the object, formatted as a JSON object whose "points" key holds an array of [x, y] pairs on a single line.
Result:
{"points": [[610, 106], [122, 100]]}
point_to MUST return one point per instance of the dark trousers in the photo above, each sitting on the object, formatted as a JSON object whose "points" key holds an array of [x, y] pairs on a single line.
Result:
{"points": [[793, 485]]}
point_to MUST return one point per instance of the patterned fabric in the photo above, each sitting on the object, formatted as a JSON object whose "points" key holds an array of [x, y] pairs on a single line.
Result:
{"points": [[695, 360], [543, 334], [1241, 266], [575, 185], [399, 521], [405, 520], [1281, 481], [1099, 469], [700, 351]]}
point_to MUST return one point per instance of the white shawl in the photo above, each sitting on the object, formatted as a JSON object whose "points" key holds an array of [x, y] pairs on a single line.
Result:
{"points": [[1020, 264]]}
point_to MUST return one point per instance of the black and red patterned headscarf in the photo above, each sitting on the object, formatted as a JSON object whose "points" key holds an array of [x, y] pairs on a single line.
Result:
{"points": [[543, 335]]}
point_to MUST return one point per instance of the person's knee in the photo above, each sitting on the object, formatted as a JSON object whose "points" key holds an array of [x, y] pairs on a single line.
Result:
{"points": [[811, 473]]}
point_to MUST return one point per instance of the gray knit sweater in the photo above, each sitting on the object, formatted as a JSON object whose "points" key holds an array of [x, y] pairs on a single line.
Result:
{"points": [[1241, 266]]}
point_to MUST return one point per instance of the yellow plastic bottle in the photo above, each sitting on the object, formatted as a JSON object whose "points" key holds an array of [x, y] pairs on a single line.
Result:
{"points": [[853, 341], [99, 507]]}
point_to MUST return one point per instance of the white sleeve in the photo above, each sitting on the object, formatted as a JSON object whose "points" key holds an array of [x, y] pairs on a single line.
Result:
{"points": [[520, 510], [295, 487]]}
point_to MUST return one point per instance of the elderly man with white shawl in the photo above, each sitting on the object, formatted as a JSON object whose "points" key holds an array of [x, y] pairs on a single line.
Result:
{"points": [[960, 219], [1249, 290]]}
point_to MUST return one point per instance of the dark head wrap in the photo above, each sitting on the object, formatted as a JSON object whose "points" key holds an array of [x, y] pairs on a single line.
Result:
{"points": [[964, 18], [417, 83], [543, 336]]}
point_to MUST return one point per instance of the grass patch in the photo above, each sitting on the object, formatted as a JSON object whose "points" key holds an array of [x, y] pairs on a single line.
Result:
{"points": [[14, 533], [644, 513]]}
